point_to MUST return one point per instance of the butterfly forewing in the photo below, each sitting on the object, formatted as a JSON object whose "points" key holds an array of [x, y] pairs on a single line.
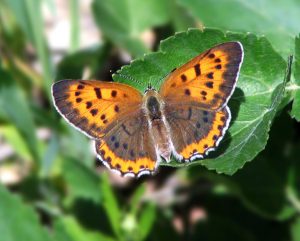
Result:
{"points": [[206, 81], [92, 106]]}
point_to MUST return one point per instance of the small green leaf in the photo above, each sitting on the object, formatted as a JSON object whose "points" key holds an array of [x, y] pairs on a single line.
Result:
{"points": [[136, 198], [82, 182], [146, 221], [295, 230], [110, 205], [13, 137], [19, 221], [296, 85], [29, 16], [260, 17], [75, 27], [49, 156], [14, 105], [77, 148], [123, 21], [73, 65], [253, 106], [68, 229]]}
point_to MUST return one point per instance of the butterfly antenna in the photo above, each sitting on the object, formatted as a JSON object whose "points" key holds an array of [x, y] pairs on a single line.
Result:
{"points": [[127, 77]]}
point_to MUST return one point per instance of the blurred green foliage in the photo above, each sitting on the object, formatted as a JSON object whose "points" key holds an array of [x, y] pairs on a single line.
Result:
{"points": [[61, 194]]}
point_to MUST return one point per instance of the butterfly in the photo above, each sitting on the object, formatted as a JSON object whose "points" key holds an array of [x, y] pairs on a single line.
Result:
{"points": [[134, 132]]}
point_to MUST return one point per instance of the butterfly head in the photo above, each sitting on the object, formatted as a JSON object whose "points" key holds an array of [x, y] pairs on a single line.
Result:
{"points": [[150, 87]]}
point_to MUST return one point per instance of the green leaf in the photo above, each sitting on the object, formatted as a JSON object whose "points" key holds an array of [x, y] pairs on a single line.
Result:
{"points": [[249, 136], [253, 106], [13, 137], [19, 221], [266, 178], [296, 85], [67, 228], [78, 146], [82, 182], [181, 18], [146, 221], [14, 105], [136, 198], [75, 27], [260, 17], [295, 230], [29, 16], [123, 21], [110, 205], [73, 65], [49, 156]]}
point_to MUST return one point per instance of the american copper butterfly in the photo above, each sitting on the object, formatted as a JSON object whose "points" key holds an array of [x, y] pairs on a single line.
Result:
{"points": [[186, 118]]}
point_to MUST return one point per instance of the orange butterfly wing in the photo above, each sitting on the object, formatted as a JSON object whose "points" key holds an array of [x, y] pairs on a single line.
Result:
{"points": [[208, 80], [92, 106], [110, 113], [196, 95]]}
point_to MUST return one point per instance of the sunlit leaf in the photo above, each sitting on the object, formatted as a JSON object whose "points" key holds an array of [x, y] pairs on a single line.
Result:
{"points": [[296, 85], [261, 17]]}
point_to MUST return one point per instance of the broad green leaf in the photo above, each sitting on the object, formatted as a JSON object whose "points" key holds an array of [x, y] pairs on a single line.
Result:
{"points": [[14, 105], [123, 21], [68, 229], [19, 221], [253, 105], [81, 181], [146, 221], [258, 16], [296, 86], [110, 205]]}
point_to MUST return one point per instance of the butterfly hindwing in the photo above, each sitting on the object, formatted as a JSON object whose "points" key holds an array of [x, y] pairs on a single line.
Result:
{"points": [[194, 131], [128, 148], [208, 80], [94, 106]]}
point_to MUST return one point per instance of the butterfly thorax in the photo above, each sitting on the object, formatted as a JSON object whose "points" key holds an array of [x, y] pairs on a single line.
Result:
{"points": [[154, 108]]}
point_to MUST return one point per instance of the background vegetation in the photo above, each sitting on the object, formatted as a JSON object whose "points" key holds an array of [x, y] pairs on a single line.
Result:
{"points": [[53, 188]]}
